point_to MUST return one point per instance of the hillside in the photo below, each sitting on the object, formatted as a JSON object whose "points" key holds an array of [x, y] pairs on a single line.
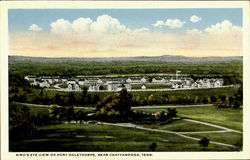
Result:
{"points": [[165, 58]]}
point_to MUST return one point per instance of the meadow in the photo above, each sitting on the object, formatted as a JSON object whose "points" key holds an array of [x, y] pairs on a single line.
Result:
{"points": [[98, 137], [227, 117], [93, 137]]}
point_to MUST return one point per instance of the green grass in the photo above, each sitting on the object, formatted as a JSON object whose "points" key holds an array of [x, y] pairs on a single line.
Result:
{"points": [[63, 86], [183, 93], [44, 110], [228, 138], [181, 126], [80, 137], [38, 110], [227, 117]]}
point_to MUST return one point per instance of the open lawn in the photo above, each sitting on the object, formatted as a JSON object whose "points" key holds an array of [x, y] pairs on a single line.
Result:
{"points": [[181, 126], [227, 117], [229, 138], [93, 137]]}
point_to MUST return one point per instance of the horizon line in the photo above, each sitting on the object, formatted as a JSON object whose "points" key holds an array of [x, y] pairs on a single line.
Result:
{"points": [[130, 56]]}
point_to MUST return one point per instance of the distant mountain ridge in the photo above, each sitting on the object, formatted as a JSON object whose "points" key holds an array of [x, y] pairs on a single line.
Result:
{"points": [[165, 58]]}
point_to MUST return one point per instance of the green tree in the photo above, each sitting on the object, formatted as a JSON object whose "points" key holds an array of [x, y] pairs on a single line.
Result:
{"points": [[58, 99], [20, 121], [55, 113], [79, 116], [70, 113], [204, 142], [150, 99], [172, 113], [115, 107], [153, 146], [96, 98]]}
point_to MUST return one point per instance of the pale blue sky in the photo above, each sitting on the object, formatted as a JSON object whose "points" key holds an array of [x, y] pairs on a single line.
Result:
{"points": [[21, 19]]}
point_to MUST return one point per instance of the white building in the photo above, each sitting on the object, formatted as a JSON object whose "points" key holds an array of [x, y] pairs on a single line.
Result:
{"points": [[30, 78], [73, 87], [158, 80], [143, 87], [94, 87]]}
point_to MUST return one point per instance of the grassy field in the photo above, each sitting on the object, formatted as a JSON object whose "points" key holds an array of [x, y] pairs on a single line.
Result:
{"points": [[92, 137], [228, 138], [226, 117], [44, 110], [181, 126], [198, 92]]}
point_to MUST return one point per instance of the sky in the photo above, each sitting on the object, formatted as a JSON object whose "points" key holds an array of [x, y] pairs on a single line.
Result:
{"points": [[125, 32]]}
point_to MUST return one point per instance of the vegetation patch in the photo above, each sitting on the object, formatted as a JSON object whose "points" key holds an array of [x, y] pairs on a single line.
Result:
{"points": [[227, 117], [228, 138], [67, 137], [181, 126]]}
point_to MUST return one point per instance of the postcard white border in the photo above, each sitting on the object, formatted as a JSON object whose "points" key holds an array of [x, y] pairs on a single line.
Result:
{"points": [[245, 154]]}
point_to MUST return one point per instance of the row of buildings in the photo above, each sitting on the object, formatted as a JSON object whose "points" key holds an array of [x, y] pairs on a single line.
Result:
{"points": [[119, 83]]}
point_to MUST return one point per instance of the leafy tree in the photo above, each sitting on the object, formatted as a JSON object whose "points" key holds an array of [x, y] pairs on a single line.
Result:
{"points": [[79, 116], [115, 107], [58, 99], [84, 92], [55, 113], [41, 93], [96, 98], [66, 101], [101, 87], [20, 121], [150, 99], [153, 146], [70, 113], [204, 142], [172, 113], [72, 98], [163, 117]]}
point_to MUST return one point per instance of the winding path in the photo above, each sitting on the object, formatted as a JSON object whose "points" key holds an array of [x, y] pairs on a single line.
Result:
{"points": [[181, 134], [213, 125], [128, 125]]}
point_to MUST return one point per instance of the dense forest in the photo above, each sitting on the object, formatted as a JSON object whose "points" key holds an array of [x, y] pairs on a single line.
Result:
{"points": [[231, 71]]}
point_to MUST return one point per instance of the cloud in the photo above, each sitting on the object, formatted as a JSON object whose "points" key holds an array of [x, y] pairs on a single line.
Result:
{"points": [[224, 27], [81, 24], [106, 36], [107, 24], [35, 28], [194, 31], [141, 30], [159, 24], [61, 26], [170, 23], [103, 24], [195, 19], [174, 23]]}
